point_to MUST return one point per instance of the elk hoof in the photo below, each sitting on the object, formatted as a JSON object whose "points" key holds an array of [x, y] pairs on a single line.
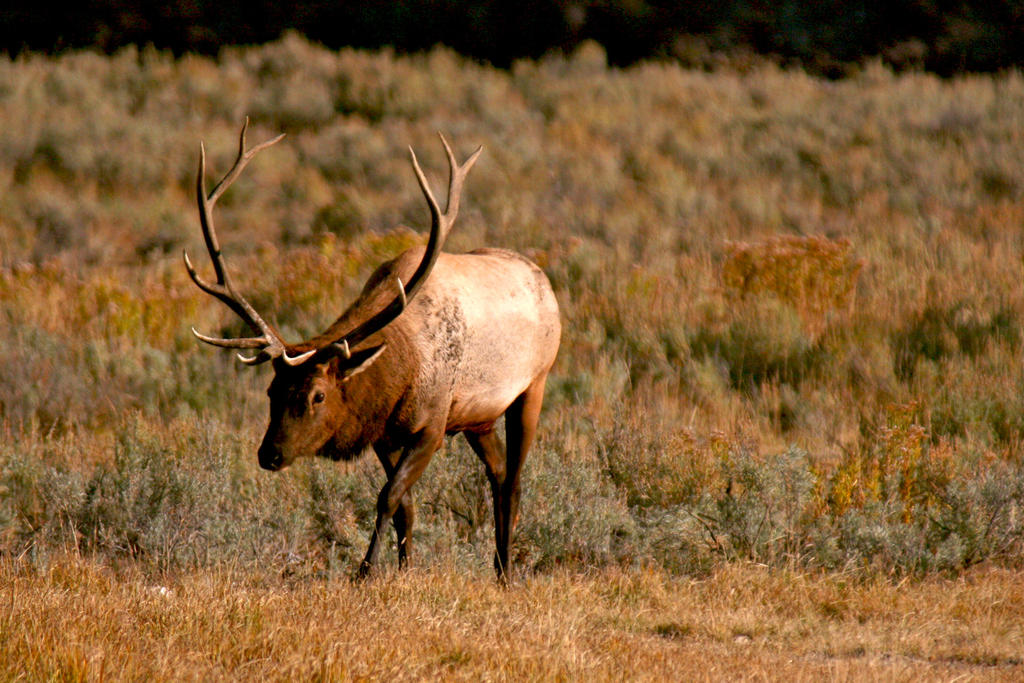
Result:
{"points": [[364, 571]]}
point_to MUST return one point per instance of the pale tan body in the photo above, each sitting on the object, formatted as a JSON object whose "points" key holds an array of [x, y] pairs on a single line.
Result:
{"points": [[484, 328], [436, 343]]}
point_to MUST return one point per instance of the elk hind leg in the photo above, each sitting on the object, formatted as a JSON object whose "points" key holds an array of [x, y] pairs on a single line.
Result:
{"points": [[488, 447], [521, 420]]}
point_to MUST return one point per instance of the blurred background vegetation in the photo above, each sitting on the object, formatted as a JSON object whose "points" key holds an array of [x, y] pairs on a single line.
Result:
{"points": [[828, 38], [793, 315]]}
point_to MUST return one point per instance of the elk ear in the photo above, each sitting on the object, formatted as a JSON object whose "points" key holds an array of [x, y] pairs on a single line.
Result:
{"points": [[360, 360]]}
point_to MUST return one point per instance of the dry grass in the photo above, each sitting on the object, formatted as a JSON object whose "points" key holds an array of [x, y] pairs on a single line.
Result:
{"points": [[81, 621]]}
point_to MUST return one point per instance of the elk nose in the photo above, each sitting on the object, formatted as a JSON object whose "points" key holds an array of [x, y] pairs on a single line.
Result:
{"points": [[270, 458]]}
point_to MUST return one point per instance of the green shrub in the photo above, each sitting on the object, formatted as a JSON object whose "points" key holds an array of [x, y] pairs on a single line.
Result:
{"points": [[766, 511], [762, 343], [939, 332], [570, 515]]}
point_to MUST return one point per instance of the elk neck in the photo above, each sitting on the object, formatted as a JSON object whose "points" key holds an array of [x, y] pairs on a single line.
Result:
{"points": [[372, 396]]}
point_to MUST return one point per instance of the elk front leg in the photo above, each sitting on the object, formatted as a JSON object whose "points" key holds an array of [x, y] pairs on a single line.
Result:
{"points": [[406, 512], [410, 466]]}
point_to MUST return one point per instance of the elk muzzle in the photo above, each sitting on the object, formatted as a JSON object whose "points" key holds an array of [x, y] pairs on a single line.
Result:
{"points": [[270, 456]]}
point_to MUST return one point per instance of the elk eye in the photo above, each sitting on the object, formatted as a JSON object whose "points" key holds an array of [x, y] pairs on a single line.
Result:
{"points": [[318, 397]]}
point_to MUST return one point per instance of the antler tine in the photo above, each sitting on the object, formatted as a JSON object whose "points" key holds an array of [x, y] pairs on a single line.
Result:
{"points": [[244, 157], [435, 210], [270, 342], [243, 343], [456, 176], [440, 225]]}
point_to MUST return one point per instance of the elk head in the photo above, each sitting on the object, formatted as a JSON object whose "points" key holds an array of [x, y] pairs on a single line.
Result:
{"points": [[311, 412]]}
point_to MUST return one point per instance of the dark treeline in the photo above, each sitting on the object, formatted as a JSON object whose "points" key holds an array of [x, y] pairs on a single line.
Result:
{"points": [[945, 36]]}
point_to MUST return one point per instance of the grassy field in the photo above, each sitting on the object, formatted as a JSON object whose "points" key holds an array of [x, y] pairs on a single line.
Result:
{"points": [[79, 621], [785, 426]]}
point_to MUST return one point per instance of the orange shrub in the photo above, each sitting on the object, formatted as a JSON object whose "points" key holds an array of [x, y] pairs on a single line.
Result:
{"points": [[815, 274]]}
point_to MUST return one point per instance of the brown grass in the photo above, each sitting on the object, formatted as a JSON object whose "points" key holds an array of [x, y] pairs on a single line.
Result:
{"points": [[78, 620]]}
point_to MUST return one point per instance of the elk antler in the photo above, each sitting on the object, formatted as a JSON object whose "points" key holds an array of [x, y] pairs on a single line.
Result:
{"points": [[440, 225], [269, 341]]}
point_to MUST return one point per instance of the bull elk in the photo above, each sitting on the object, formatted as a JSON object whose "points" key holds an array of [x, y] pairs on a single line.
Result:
{"points": [[434, 344]]}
